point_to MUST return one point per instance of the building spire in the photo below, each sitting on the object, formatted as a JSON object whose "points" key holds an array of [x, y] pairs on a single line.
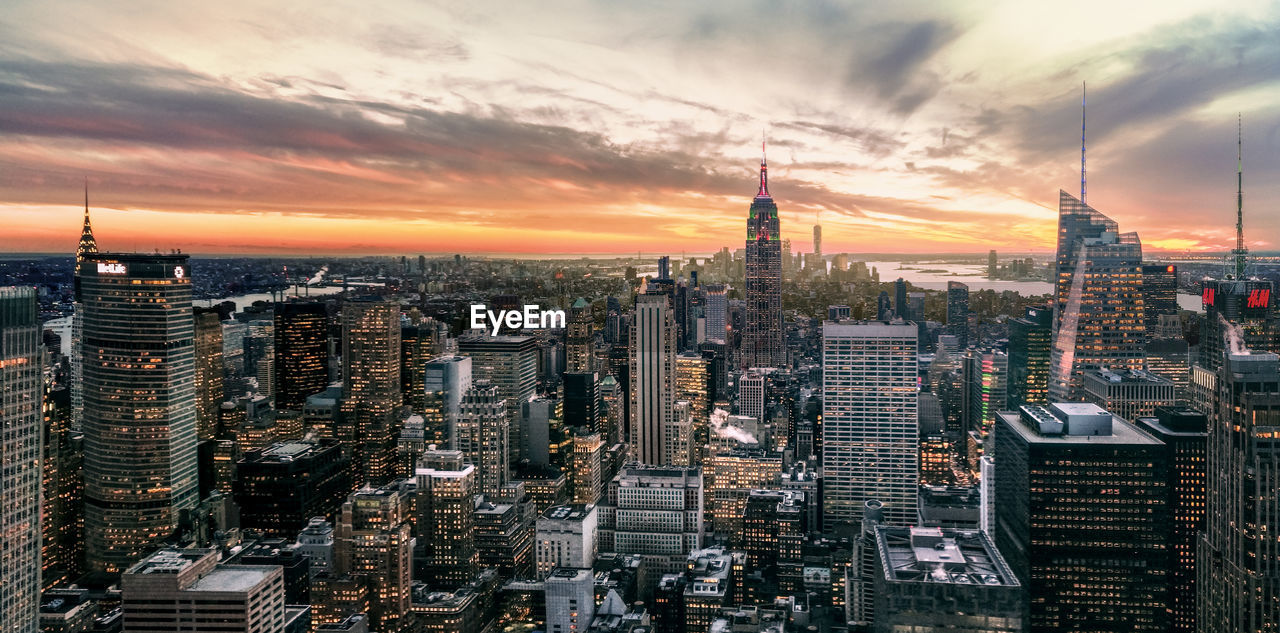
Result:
{"points": [[1241, 253], [87, 245], [764, 169], [1083, 94]]}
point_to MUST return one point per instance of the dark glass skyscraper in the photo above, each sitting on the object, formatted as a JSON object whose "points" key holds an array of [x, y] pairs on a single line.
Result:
{"points": [[302, 352], [958, 312], [1159, 293], [762, 338], [1029, 344], [140, 466], [20, 479]]}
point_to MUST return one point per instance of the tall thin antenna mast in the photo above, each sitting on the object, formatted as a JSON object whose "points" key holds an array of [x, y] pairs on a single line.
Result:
{"points": [[1083, 93], [1241, 253]]}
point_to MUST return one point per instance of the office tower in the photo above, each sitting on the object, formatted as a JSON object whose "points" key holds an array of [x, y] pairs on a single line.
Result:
{"points": [[883, 309], [260, 356], [504, 538], [447, 379], [900, 307], [1082, 517], [958, 312], [774, 524], [189, 590], [1237, 573], [655, 512], [1030, 341], [582, 401], [717, 311], [509, 363], [730, 476], [587, 467], [935, 460], [1127, 393], [571, 600], [936, 580], [751, 396], [87, 246], [316, 542], [985, 377], [579, 335], [446, 551], [1246, 304], [373, 543], [869, 426], [209, 371], [140, 467], [280, 488], [839, 312], [565, 537], [614, 402], [484, 433], [233, 335], [693, 377], [1159, 293], [677, 437], [20, 455], [992, 265], [1185, 436], [1169, 358], [652, 377], [762, 339], [302, 352], [415, 349], [1098, 306], [371, 386], [62, 485]]}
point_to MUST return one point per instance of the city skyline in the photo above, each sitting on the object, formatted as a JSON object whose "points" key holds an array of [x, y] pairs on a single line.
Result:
{"points": [[605, 129]]}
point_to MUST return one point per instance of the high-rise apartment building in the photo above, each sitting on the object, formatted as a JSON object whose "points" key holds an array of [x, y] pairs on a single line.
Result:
{"points": [[762, 338], [20, 457], [140, 465], [484, 435], [210, 393], [301, 352], [1030, 342], [653, 376], [870, 431], [1098, 306], [371, 386], [1082, 517]]}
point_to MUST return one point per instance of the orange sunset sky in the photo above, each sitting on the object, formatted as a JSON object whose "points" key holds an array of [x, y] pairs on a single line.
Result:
{"points": [[299, 127]]}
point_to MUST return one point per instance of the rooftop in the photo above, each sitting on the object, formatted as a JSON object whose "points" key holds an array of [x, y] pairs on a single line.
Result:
{"points": [[234, 578], [939, 555]]}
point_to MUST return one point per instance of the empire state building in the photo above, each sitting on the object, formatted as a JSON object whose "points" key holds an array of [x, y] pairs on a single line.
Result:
{"points": [[762, 338]]}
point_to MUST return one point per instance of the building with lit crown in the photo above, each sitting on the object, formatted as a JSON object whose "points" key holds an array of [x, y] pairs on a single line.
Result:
{"points": [[762, 344]]}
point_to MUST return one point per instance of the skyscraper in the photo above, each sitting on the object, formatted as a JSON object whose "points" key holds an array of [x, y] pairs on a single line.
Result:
{"points": [[582, 401], [762, 338], [900, 307], [717, 312], [869, 425], [653, 375], [1159, 293], [509, 363], [1081, 516], [484, 436], [371, 386], [1030, 341], [140, 466], [446, 550], [1238, 574], [578, 337], [1185, 434], [302, 352], [210, 393], [817, 249], [1098, 307], [20, 416], [373, 542], [958, 312], [87, 246], [447, 379]]}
